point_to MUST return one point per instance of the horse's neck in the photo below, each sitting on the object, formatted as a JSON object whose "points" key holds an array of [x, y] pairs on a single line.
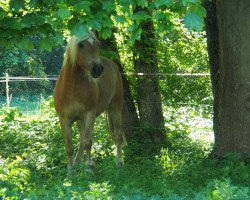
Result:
{"points": [[69, 75], [73, 74]]}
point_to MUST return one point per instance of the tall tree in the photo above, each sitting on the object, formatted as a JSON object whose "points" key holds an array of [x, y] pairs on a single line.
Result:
{"points": [[148, 90], [233, 19], [234, 98]]}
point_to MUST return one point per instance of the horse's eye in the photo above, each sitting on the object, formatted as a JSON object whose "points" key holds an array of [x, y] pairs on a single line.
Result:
{"points": [[81, 45]]}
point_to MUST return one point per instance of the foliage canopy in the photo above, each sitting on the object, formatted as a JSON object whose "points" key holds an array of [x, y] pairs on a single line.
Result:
{"points": [[21, 19]]}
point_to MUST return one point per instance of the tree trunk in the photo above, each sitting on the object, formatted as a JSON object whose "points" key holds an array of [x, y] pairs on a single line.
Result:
{"points": [[234, 90], [148, 90], [130, 117], [213, 53]]}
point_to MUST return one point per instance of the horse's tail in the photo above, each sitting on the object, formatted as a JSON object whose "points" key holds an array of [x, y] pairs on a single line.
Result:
{"points": [[111, 130]]}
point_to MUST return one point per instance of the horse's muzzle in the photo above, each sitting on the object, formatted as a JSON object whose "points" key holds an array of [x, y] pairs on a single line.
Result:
{"points": [[97, 70]]}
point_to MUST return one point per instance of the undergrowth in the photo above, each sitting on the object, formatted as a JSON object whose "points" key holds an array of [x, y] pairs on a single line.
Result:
{"points": [[33, 162]]}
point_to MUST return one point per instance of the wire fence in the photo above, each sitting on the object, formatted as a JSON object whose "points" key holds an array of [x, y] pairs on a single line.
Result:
{"points": [[11, 79], [6, 78]]}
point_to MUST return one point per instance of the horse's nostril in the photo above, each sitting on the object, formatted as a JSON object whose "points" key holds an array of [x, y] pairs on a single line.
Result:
{"points": [[97, 70]]}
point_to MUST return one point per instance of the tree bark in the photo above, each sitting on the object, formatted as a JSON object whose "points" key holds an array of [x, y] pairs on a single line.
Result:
{"points": [[130, 117], [234, 90], [213, 53], [148, 90]]}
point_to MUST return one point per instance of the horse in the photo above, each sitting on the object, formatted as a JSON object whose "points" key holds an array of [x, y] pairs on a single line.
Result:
{"points": [[87, 86]]}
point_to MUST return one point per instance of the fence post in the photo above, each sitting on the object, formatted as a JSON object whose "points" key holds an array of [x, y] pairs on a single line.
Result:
{"points": [[7, 90]]}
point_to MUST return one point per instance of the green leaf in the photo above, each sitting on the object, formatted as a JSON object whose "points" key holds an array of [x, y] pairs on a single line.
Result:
{"points": [[142, 3], [80, 30], [63, 13], [26, 43], [105, 20], [136, 35], [16, 5], [94, 23], [17, 25], [187, 2], [39, 18], [198, 10], [106, 33], [120, 19], [194, 17], [140, 16], [160, 16], [135, 31], [82, 7], [125, 6], [3, 42], [132, 27], [3, 14], [33, 3], [108, 5], [193, 22], [28, 20], [59, 38], [45, 29], [161, 3], [45, 44]]}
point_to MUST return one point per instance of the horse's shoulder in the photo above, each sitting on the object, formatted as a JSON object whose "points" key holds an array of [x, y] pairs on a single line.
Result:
{"points": [[108, 62]]}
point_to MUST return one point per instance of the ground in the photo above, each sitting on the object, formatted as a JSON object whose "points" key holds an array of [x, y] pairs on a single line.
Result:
{"points": [[33, 161]]}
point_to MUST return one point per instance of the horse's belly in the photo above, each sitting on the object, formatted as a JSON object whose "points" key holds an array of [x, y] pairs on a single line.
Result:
{"points": [[102, 108]]}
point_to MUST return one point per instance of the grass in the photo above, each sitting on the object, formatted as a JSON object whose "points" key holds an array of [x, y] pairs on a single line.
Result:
{"points": [[33, 162]]}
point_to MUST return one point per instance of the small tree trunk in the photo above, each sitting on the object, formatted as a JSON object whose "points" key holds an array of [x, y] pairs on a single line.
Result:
{"points": [[213, 53], [234, 90], [130, 117], [148, 90]]}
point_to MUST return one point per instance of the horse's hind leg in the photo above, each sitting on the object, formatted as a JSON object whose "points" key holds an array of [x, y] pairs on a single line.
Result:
{"points": [[115, 116], [66, 126]]}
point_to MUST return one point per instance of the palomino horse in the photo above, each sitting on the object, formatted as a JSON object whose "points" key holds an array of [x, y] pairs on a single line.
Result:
{"points": [[87, 86]]}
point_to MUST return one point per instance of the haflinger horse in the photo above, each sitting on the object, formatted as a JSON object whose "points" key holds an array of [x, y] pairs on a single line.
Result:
{"points": [[87, 86]]}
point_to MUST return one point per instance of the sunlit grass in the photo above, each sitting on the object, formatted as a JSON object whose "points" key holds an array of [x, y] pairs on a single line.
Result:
{"points": [[33, 161]]}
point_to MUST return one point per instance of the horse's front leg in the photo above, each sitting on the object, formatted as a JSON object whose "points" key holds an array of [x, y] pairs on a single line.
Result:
{"points": [[86, 129], [66, 126]]}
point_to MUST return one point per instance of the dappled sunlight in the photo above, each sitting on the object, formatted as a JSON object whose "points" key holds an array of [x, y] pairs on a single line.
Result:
{"points": [[196, 122]]}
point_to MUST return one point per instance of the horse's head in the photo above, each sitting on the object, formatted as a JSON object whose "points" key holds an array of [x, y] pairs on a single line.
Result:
{"points": [[85, 53]]}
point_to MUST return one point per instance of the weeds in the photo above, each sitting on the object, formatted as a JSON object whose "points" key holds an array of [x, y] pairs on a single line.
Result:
{"points": [[33, 162]]}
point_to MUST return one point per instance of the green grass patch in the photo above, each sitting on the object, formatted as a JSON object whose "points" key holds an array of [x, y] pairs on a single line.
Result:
{"points": [[33, 163]]}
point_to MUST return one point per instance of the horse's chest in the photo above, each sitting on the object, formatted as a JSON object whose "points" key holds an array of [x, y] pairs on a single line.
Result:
{"points": [[85, 95]]}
